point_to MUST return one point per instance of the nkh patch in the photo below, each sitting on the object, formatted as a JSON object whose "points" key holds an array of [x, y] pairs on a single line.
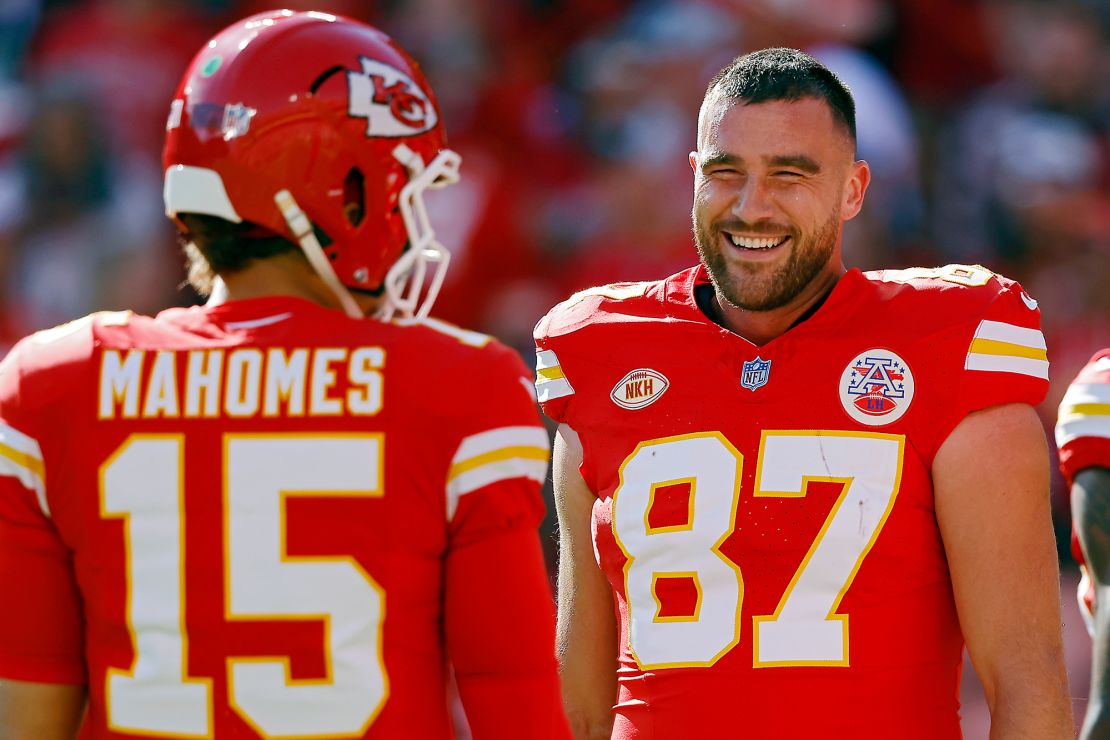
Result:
{"points": [[755, 374], [639, 388], [876, 388]]}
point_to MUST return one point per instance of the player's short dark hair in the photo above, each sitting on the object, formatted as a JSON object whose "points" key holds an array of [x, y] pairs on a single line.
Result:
{"points": [[214, 246], [785, 74]]}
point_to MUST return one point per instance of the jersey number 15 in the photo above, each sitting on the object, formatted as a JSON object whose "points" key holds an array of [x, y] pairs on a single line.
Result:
{"points": [[142, 483]]}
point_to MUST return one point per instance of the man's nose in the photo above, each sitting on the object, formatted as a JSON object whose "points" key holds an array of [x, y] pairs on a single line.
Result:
{"points": [[753, 202]]}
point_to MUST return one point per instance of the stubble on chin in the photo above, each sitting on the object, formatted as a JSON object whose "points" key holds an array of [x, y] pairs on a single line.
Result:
{"points": [[765, 286]]}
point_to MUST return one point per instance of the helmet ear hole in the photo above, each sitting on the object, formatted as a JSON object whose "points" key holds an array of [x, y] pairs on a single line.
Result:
{"points": [[354, 197]]}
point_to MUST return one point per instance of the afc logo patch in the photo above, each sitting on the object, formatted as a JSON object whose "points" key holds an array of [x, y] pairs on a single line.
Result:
{"points": [[390, 101], [876, 388]]}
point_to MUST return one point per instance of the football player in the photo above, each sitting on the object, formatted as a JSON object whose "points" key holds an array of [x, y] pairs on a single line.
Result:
{"points": [[272, 516], [1083, 437], [802, 488]]}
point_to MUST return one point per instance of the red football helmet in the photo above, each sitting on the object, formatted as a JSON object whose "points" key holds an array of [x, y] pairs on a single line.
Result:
{"points": [[299, 122]]}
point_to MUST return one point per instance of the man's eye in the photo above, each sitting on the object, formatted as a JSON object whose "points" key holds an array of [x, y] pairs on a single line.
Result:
{"points": [[787, 173]]}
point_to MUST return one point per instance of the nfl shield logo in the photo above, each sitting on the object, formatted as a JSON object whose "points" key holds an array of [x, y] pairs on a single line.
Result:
{"points": [[755, 373]]}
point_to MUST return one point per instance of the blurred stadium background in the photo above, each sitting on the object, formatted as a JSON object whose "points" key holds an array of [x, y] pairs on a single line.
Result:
{"points": [[986, 123]]}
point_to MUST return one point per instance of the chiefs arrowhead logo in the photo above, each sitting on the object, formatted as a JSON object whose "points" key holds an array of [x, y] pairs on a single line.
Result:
{"points": [[390, 101]]}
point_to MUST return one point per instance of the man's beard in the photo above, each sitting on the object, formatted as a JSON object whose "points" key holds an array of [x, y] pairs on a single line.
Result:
{"points": [[766, 286]]}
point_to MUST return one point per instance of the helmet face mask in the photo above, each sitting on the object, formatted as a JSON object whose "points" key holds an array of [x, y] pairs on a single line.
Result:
{"points": [[406, 279], [333, 112]]}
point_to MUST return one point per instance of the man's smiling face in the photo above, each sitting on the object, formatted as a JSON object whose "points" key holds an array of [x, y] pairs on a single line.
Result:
{"points": [[773, 183]]}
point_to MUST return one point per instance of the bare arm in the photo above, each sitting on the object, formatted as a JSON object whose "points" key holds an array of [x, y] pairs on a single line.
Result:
{"points": [[1090, 502], [586, 635], [40, 711], [991, 486]]}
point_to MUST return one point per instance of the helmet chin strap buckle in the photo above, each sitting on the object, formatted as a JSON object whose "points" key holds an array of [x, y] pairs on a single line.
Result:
{"points": [[412, 161], [301, 227]]}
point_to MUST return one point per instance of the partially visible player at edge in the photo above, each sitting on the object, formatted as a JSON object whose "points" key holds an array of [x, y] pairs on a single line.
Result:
{"points": [[806, 487], [272, 516], [1083, 437]]}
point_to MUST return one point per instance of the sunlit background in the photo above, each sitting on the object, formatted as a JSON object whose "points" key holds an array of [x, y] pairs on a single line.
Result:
{"points": [[986, 124]]}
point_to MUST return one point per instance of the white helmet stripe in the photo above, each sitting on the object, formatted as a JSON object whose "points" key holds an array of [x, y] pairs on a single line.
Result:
{"points": [[197, 190]]}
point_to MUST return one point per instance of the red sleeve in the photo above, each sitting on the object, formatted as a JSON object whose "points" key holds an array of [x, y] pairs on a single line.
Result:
{"points": [[1006, 360], [499, 615], [1083, 428], [553, 388], [41, 622], [501, 460], [500, 634]]}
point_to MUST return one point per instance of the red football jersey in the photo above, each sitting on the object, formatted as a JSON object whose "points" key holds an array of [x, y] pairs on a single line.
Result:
{"points": [[265, 519], [765, 514], [1083, 440]]}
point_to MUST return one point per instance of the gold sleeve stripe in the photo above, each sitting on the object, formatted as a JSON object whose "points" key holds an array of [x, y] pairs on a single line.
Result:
{"points": [[498, 454], [549, 373], [1084, 412], [1002, 332], [524, 453], [32, 464], [494, 471], [1086, 409], [551, 382], [21, 458], [499, 438], [995, 347], [1005, 348]]}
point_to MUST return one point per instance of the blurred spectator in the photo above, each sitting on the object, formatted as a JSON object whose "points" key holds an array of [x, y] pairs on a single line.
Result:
{"points": [[1022, 169], [128, 55], [81, 222]]}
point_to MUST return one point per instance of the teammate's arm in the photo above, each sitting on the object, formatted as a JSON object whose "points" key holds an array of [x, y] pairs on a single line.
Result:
{"points": [[586, 641], [991, 487], [499, 635], [38, 711], [1090, 502]]}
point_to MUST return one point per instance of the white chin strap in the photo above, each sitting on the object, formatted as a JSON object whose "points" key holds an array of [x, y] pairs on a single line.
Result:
{"points": [[310, 245], [405, 292]]}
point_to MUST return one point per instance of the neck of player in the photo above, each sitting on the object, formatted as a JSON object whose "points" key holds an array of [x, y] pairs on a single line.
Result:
{"points": [[285, 275], [760, 327]]}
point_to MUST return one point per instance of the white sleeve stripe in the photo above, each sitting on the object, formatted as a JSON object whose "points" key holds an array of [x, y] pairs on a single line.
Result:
{"points": [[494, 472], [499, 438], [1008, 364], [548, 390], [30, 479], [546, 358], [1082, 426], [17, 440], [1094, 393], [1002, 332], [23, 460]]}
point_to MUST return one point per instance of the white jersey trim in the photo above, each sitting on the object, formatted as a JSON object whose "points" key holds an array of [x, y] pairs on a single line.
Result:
{"points": [[550, 381], [497, 455], [1006, 348], [21, 458]]}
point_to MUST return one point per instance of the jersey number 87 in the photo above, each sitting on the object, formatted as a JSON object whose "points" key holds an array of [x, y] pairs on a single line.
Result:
{"points": [[805, 628]]}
